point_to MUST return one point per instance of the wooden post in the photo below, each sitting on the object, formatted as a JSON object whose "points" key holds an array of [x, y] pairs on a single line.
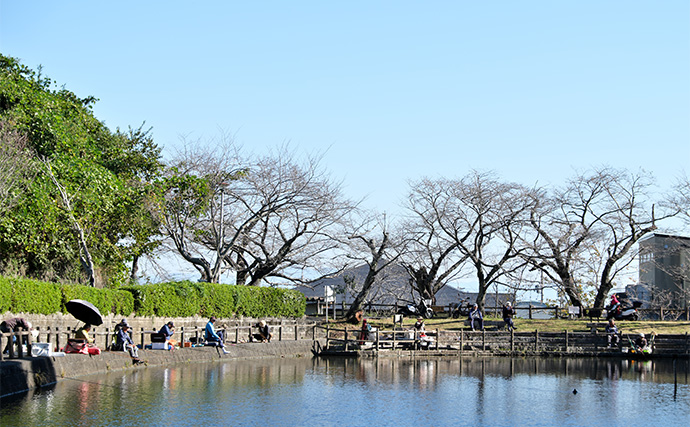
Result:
{"points": [[57, 338], [438, 337], [661, 313], [530, 311], [462, 340], [596, 341], [483, 339], [296, 332], [28, 345], [346, 346], [280, 332], [536, 340], [2, 349], [142, 338], [328, 336], [20, 346], [566, 341], [512, 340], [313, 333], [196, 334], [377, 340]]}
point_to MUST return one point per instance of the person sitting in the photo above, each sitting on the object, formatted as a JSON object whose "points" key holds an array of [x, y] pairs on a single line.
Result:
{"points": [[212, 337], [124, 342], [264, 334], [16, 324], [612, 333], [168, 330], [641, 344], [83, 334], [477, 318], [419, 325], [508, 313]]}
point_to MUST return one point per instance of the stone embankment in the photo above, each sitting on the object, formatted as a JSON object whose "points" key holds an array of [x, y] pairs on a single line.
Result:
{"points": [[19, 375]]}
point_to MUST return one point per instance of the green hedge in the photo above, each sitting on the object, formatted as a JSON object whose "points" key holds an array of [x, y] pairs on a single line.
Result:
{"points": [[106, 300], [182, 299], [31, 296], [173, 299]]}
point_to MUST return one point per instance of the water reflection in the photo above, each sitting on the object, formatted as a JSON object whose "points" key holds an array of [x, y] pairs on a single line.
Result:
{"points": [[396, 392]]}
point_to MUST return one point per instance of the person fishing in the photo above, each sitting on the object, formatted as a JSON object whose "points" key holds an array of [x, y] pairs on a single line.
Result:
{"points": [[508, 313], [612, 333], [476, 317]]}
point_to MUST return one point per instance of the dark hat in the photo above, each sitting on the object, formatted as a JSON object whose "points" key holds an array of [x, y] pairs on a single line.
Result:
{"points": [[171, 324], [212, 319]]}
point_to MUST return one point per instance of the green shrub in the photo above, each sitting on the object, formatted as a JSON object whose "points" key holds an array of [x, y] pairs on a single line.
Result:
{"points": [[5, 294], [184, 299], [172, 299], [33, 296], [106, 300]]}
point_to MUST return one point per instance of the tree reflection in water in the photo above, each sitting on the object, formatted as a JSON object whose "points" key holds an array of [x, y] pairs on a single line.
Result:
{"points": [[380, 391]]}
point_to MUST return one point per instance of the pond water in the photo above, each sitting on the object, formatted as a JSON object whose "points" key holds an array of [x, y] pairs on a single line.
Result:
{"points": [[380, 392]]}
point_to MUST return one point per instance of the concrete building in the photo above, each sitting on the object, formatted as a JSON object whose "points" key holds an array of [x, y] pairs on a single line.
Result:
{"points": [[664, 270]]}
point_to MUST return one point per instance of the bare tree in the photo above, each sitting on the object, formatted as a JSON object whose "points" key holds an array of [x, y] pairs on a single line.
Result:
{"points": [[626, 215], [370, 243], [492, 213], [680, 198], [281, 218], [431, 250], [189, 202], [560, 228]]}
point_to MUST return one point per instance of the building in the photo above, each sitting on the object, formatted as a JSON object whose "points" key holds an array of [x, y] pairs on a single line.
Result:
{"points": [[664, 271]]}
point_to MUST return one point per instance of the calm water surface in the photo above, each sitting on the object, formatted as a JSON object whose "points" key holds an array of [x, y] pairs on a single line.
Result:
{"points": [[383, 392]]}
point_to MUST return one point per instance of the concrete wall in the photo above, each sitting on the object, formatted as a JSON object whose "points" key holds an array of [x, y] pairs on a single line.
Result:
{"points": [[19, 375]]}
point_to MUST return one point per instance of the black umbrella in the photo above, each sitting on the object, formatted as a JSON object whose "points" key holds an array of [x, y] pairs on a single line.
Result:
{"points": [[84, 311]]}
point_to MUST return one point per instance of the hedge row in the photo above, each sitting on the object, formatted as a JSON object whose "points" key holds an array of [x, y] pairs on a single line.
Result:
{"points": [[173, 299], [33, 296], [182, 299]]}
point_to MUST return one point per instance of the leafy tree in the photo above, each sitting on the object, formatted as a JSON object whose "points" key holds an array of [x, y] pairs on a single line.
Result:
{"points": [[103, 174]]}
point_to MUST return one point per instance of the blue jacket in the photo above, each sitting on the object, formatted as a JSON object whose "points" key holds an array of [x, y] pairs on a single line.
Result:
{"points": [[211, 334], [123, 338]]}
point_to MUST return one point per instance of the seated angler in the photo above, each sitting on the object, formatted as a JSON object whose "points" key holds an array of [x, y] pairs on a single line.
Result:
{"points": [[168, 330], [508, 313], [212, 337], [476, 318], [124, 342]]}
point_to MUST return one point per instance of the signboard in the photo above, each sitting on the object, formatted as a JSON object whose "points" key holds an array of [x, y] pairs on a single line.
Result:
{"points": [[330, 295]]}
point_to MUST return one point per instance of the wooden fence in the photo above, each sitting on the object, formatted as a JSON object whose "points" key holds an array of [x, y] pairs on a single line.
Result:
{"points": [[57, 338], [343, 340], [376, 310]]}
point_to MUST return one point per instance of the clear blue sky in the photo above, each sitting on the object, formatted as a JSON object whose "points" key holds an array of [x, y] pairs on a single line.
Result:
{"points": [[393, 90]]}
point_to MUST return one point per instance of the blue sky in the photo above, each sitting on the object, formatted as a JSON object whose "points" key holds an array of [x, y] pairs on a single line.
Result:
{"points": [[390, 90]]}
